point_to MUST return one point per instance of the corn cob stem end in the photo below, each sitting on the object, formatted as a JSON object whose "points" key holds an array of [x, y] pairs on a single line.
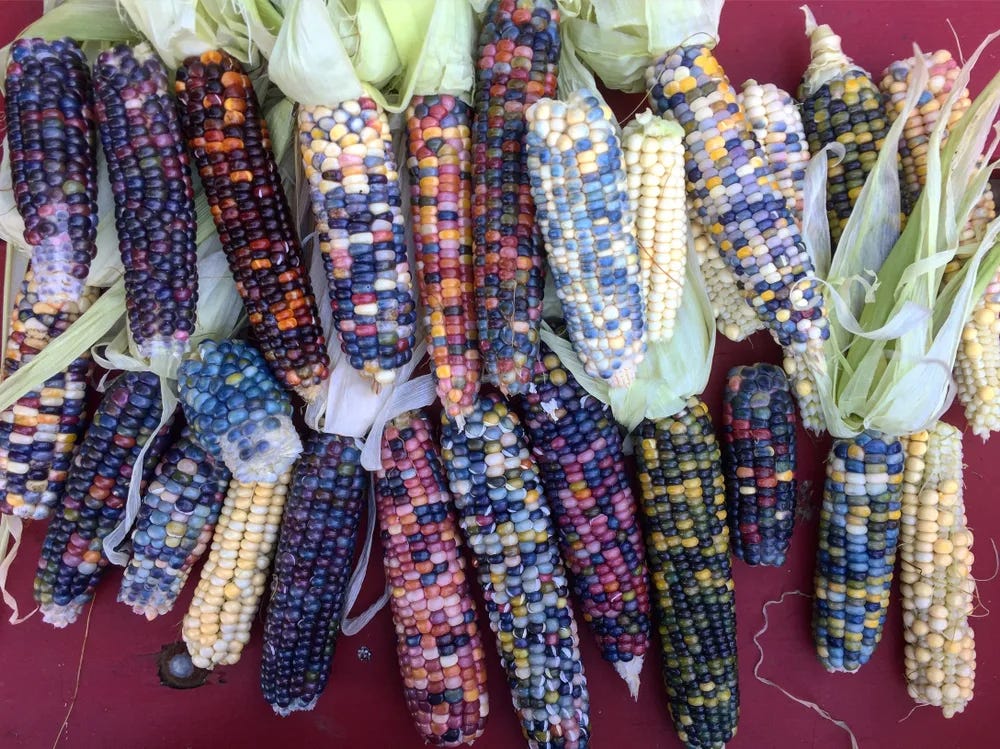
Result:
{"points": [[630, 671]]}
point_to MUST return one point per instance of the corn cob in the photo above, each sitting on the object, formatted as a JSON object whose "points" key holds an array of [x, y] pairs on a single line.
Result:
{"points": [[943, 70], [440, 163], [842, 104], [237, 411], [154, 198], [773, 116], [351, 168], [51, 133], [174, 526], [578, 182], [687, 549], [440, 650], [936, 584], [518, 61], [758, 461], [39, 432], [217, 625], [730, 181], [228, 138], [72, 560], [579, 454], [858, 535], [505, 519], [654, 159]]}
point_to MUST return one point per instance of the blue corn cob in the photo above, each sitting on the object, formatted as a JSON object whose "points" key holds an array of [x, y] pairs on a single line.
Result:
{"points": [[174, 526], [858, 535], [507, 525]]}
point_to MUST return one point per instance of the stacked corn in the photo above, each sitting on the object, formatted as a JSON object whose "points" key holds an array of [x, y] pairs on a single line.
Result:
{"points": [[173, 527], [579, 453], [506, 522], [936, 583], [440, 650], [228, 138], [440, 161], [72, 560], [758, 461], [578, 183], [354, 185], [518, 60]]}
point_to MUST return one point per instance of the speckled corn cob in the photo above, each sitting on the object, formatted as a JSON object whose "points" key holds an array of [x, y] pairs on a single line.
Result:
{"points": [[51, 134], [72, 560], [154, 199], [505, 519], [39, 432], [311, 569], [758, 461], [943, 70], [936, 583], [579, 453], [440, 163], [773, 116], [174, 526], [441, 657], [351, 168], [578, 182], [858, 534], [518, 60], [217, 624], [654, 159], [229, 141], [687, 549], [237, 411]]}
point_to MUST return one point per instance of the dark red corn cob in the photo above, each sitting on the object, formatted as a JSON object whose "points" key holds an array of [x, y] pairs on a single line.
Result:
{"points": [[228, 137]]}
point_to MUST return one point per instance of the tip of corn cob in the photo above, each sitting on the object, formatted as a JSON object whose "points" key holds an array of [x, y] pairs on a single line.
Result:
{"points": [[630, 671], [295, 706], [60, 616], [826, 55], [274, 448]]}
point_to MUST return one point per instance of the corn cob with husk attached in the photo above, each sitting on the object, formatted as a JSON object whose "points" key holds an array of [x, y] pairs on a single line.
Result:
{"points": [[506, 522], [579, 452], [174, 526], [441, 657], [578, 183], [311, 569], [73, 560], [228, 138], [519, 48], [154, 199], [682, 495], [936, 583]]}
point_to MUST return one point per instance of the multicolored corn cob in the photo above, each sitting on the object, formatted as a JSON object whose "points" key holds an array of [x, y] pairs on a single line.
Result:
{"points": [[687, 550], [439, 151], [580, 191], [440, 650], [237, 410], [506, 522], [228, 138], [39, 432], [758, 461], [518, 62], [72, 560], [311, 569], [773, 116], [354, 185], [174, 526], [654, 159], [580, 459], [841, 104], [936, 583], [217, 625], [154, 199], [858, 534], [51, 133]]}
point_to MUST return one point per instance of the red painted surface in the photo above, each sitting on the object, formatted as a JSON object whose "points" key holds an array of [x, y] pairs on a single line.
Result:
{"points": [[120, 702]]}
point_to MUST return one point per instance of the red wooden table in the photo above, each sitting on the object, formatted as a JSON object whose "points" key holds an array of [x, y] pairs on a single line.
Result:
{"points": [[107, 671]]}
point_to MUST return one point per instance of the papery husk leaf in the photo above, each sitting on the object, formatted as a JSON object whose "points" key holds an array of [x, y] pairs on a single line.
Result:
{"points": [[375, 57], [815, 222], [177, 29]]}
